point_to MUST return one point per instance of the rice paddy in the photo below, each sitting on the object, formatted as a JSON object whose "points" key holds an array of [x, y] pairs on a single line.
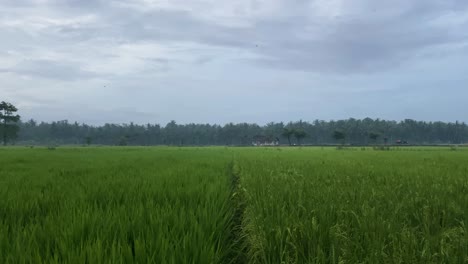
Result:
{"points": [[233, 205]]}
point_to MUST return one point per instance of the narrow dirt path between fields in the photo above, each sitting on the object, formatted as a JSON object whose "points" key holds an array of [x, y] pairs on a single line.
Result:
{"points": [[237, 238]]}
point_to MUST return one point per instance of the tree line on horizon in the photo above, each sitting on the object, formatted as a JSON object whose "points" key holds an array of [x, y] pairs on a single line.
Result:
{"points": [[350, 131]]}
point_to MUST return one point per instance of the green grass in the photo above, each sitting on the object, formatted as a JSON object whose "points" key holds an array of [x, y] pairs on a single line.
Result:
{"points": [[113, 206], [233, 205], [312, 206]]}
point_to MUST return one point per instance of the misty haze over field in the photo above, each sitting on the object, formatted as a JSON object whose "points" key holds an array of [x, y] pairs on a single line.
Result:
{"points": [[234, 61]]}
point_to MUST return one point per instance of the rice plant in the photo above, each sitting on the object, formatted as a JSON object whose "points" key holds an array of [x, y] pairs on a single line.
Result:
{"points": [[233, 205], [312, 206], [113, 206]]}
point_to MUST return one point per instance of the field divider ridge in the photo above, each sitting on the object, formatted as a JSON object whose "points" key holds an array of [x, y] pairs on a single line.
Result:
{"points": [[237, 202]]}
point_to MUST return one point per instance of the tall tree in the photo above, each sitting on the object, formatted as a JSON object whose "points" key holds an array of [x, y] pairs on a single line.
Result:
{"points": [[9, 120], [287, 133], [299, 134], [339, 136], [374, 136], [88, 140]]}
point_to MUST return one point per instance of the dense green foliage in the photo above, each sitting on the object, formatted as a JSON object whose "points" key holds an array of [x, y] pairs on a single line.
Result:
{"points": [[8, 122], [238, 205], [362, 132]]}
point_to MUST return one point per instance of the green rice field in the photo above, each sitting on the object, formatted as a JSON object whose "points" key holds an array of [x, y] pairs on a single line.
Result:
{"points": [[233, 205]]}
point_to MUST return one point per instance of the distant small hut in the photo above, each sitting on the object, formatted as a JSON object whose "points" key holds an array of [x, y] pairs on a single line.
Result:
{"points": [[261, 140]]}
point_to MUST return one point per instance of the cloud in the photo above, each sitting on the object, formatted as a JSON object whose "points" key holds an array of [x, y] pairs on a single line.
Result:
{"points": [[319, 36], [85, 113], [211, 56], [65, 71], [357, 37]]}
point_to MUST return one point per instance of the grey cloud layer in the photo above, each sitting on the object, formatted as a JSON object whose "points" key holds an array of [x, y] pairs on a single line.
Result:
{"points": [[345, 44], [155, 56], [50, 69], [371, 37]]}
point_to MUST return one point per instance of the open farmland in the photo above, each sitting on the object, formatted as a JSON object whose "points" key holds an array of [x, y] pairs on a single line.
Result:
{"points": [[233, 205], [113, 205]]}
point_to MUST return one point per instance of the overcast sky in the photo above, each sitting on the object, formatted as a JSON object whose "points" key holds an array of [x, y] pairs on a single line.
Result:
{"points": [[220, 61]]}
